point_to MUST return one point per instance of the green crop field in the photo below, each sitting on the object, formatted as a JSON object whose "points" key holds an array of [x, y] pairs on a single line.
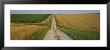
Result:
{"points": [[29, 18]]}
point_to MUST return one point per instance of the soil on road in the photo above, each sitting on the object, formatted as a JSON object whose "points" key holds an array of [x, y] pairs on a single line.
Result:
{"points": [[54, 33]]}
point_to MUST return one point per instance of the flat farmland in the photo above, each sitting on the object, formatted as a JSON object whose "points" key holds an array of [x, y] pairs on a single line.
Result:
{"points": [[80, 26]]}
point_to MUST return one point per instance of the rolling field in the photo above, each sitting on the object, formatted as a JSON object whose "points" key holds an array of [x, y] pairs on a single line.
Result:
{"points": [[36, 26], [80, 26], [29, 26]]}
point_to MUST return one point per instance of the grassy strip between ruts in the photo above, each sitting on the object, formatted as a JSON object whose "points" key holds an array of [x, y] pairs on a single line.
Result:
{"points": [[39, 35], [81, 34]]}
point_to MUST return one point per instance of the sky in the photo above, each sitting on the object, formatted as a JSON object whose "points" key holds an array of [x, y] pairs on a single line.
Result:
{"points": [[53, 11]]}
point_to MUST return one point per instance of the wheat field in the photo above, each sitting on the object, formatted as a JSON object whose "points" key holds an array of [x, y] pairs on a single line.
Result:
{"points": [[80, 21], [80, 26], [29, 26], [23, 31]]}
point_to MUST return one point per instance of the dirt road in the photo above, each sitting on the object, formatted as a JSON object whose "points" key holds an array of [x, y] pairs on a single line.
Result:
{"points": [[54, 33]]}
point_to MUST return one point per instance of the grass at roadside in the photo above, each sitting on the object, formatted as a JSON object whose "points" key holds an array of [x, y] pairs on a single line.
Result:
{"points": [[81, 34], [40, 34]]}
